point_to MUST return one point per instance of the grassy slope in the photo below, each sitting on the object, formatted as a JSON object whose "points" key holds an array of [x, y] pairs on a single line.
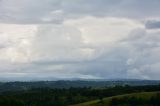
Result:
{"points": [[106, 100]]}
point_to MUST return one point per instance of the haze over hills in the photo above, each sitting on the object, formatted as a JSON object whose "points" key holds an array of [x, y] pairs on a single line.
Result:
{"points": [[28, 79]]}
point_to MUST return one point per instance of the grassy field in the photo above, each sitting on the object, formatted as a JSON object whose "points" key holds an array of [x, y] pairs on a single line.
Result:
{"points": [[108, 99]]}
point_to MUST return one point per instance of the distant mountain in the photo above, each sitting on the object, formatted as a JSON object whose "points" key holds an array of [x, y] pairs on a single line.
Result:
{"points": [[12, 86], [28, 79]]}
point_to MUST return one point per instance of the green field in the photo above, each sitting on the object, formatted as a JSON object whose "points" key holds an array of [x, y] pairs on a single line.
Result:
{"points": [[106, 101]]}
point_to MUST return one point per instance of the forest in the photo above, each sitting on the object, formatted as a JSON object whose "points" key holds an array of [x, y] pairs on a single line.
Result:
{"points": [[135, 101], [70, 96]]}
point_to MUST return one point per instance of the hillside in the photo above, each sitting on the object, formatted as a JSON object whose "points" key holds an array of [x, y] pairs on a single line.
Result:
{"points": [[71, 96], [106, 101], [14, 86]]}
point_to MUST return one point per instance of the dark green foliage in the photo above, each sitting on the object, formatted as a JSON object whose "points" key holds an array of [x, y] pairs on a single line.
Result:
{"points": [[135, 101], [10, 101], [65, 97], [45, 97], [14, 86]]}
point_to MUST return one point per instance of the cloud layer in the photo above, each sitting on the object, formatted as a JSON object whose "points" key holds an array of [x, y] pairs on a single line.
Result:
{"points": [[55, 39]]}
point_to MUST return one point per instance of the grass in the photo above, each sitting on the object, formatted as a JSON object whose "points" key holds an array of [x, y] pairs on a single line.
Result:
{"points": [[108, 99]]}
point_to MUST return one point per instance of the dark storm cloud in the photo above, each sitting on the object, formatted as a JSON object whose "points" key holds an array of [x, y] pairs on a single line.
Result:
{"points": [[153, 24]]}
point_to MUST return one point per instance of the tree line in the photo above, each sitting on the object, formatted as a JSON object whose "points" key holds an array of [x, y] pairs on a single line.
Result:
{"points": [[136, 101], [66, 97]]}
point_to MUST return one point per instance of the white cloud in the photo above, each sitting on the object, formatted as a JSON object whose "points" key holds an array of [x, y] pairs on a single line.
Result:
{"points": [[73, 42], [82, 38], [16, 41], [102, 30]]}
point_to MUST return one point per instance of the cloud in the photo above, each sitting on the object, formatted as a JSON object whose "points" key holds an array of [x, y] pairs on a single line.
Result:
{"points": [[15, 41], [143, 55], [74, 46], [152, 24], [103, 8], [56, 11], [30, 12], [79, 38]]}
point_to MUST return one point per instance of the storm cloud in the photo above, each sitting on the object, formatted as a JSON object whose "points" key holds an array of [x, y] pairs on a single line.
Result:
{"points": [[153, 24], [58, 39]]}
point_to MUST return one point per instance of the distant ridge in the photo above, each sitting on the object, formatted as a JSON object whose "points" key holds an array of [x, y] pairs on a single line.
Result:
{"points": [[68, 79], [23, 85]]}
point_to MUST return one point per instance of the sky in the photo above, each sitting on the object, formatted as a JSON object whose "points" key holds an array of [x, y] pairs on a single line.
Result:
{"points": [[86, 39]]}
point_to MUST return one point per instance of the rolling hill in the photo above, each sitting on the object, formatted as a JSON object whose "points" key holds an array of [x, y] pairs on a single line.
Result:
{"points": [[106, 101]]}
